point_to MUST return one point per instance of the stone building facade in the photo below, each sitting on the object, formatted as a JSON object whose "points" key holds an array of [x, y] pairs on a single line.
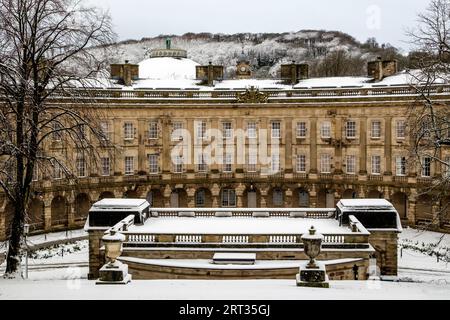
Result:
{"points": [[334, 143]]}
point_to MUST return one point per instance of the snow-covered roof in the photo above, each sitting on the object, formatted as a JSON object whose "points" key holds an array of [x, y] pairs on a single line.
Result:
{"points": [[237, 226], [333, 82], [120, 204], [372, 203], [167, 69]]}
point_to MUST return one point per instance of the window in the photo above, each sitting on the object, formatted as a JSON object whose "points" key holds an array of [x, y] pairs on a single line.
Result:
{"points": [[57, 170], [376, 130], [57, 131], [426, 169], [228, 198], [227, 130], [350, 130], [153, 130], [201, 130], [251, 130], [202, 165], [325, 130], [350, 164], [228, 163], [401, 129], [178, 166], [106, 166], [275, 163], [252, 162], [376, 165], [301, 163], [129, 166], [81, 166], [105, 131], [277, 197], [200, 197], [153, 163], [325, 163], [177, 128], [128, 131], [276, 130], [400, 166], [301, 129]]}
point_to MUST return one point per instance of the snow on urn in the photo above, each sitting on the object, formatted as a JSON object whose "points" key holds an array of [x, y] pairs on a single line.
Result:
{"points": [[113, 245], [313, 244]]}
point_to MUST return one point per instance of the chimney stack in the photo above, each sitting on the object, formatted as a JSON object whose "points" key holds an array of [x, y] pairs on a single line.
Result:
{"points": [[125, 73], [208, 74], [293, 73], [380, 69]]}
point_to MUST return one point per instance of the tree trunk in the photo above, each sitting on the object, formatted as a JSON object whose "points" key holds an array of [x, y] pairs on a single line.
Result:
{"points": [[13, 257]]}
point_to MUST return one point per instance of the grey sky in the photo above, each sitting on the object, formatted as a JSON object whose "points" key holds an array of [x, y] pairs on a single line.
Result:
{"points": [[384, 19]]}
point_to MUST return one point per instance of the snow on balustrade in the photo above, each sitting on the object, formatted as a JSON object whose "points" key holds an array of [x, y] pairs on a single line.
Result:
{"points": [[333, 239], [235, 239], [141, 238], [187, 238], [283, 239]]}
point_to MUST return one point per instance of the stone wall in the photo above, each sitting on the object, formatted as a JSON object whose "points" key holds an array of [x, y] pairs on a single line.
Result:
{"points": [[386, 245]]}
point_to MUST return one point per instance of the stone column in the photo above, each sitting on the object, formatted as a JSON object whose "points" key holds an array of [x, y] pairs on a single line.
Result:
{"points": [[190, 167], [313, 147], [288, 146], [117, 138], [411, 213], [363, 148], [166, 163], [288, 200], [215, 166], [215, 193], [142, 163], [313, 197], [167, 194], [96, 258], [338, 148], [264, 193], [191, 197], [47, 213], [239, 126], [388, 146]]}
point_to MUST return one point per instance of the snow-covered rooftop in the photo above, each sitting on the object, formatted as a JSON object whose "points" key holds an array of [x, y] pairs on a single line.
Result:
{"points": [[237, 226], [167, 69], [176, 74], [120, 203]]}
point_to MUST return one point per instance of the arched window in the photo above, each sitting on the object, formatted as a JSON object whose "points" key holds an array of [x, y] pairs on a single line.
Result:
{"points": [[303, 199], [200, 198], [228, 198], [277, 197]]}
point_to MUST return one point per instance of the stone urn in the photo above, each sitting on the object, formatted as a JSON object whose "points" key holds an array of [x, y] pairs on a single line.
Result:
{"points": [[312, 243], [114, 272], [113, 246]]}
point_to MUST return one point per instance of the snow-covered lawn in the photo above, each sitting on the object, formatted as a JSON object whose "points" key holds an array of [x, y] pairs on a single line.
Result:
{"points": [[60, 273]]}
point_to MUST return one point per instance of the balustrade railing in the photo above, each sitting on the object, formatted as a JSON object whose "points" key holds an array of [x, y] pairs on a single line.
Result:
{"points": [[310, 213], [285, 239], [231, 94]]}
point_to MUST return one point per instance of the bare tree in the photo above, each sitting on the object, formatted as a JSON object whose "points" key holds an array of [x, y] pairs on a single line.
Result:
{"points": [[44, 58], [429, 117]]}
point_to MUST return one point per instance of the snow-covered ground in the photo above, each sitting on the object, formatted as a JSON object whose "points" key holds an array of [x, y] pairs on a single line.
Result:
{"points": [[54, 275]]}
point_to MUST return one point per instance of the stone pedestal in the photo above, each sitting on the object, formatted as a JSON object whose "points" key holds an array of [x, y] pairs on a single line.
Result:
{"points": [[312, 277], [115, 273]]}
